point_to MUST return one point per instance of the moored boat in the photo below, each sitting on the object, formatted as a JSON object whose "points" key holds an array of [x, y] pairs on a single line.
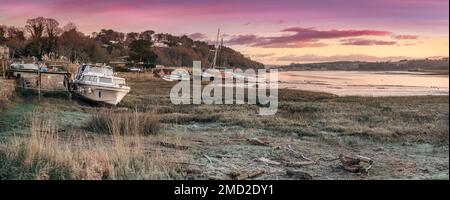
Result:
{"points": [[98, 84]]}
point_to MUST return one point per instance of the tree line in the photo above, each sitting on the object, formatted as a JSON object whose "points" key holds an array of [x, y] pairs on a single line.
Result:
{"points": [[43, 37]]}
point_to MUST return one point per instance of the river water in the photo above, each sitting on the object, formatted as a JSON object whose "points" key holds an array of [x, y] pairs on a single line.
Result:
{"points": [[365, 83]]}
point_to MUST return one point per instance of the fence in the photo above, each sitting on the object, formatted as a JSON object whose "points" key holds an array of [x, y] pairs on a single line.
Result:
{"points": [[41, 81]]}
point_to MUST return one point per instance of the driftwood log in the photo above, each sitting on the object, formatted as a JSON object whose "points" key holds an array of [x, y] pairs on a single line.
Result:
{"points": [[354, 160], [354, 163]]}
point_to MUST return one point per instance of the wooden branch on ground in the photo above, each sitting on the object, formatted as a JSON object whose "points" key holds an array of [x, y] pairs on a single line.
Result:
{"points": [[174, 146], [300, 163], [247, 175], [305, 158], [265, 160], [354, 160], [287, 163], [188, 163], [228, 156], [207, 157], [353, 163], [257, 141], [289, 147]]}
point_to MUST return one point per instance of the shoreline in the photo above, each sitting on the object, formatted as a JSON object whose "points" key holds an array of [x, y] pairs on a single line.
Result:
{"points": [[423, 72]]}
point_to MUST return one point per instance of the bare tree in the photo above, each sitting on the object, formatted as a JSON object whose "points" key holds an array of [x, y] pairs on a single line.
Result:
{"points": [[44, 36], [52, 27], [3, 30], [52, 31], [15, 40], [70, 26], [36, 27]]}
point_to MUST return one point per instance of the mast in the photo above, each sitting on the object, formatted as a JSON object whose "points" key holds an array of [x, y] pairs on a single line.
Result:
{"points": [[217, 47], [220, 56]]}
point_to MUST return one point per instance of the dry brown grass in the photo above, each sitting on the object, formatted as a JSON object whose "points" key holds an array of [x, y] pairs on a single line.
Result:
{"points": [[142, 76], [7, 88], [124, 122], [44, 154]]}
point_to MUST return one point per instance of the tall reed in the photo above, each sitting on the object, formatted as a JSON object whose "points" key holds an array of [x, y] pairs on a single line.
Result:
{"points": [[48, 154]]}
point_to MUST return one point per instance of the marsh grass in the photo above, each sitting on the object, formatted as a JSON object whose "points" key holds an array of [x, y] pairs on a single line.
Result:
{"points": [[67, 146], [124, 122], [7, 88], [46, 154], [312, 114]]}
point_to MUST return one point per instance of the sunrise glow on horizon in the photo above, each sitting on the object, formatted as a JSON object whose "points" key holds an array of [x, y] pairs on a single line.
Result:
{"points": [[272, 32]]}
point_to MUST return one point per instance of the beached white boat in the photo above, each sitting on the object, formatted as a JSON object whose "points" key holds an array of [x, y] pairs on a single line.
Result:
{"points": [[98, 84], [177, 76]]}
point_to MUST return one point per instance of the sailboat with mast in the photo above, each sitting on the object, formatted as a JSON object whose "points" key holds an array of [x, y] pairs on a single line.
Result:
{"points": [[218, 71]]}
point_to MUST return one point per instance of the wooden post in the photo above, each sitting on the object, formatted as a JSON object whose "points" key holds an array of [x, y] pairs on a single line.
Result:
{"points": [[40, 83], [4, 69], [68, 77]]}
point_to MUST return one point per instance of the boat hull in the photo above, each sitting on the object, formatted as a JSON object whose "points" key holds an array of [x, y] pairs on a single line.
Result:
{"points": [[101, 94]]}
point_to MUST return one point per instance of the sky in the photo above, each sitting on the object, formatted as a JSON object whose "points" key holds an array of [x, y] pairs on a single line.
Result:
{"points": [[272, 32]]}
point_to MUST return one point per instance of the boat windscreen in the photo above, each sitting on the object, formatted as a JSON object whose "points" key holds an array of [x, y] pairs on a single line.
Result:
{"points": [[90, 78], [105, 80], [119, 81], [103, 70]]}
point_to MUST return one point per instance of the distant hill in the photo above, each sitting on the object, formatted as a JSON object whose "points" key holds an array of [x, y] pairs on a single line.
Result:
{"points": [[181, 51], [403, 65]]}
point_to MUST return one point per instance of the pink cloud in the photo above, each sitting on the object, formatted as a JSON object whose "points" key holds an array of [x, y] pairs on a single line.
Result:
{"points": [[312, 33], [301, 37], [244, 40], [405, 37], [171, 15], [409, 44], [197, 36], [296, 45], [365, 42], [263, 55], [351, 57]]}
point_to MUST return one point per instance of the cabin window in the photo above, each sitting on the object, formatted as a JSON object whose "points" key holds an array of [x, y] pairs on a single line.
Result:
{"points": [[93, 79], [119, 81], [90, 78], [96, 69], [105, 80]]}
